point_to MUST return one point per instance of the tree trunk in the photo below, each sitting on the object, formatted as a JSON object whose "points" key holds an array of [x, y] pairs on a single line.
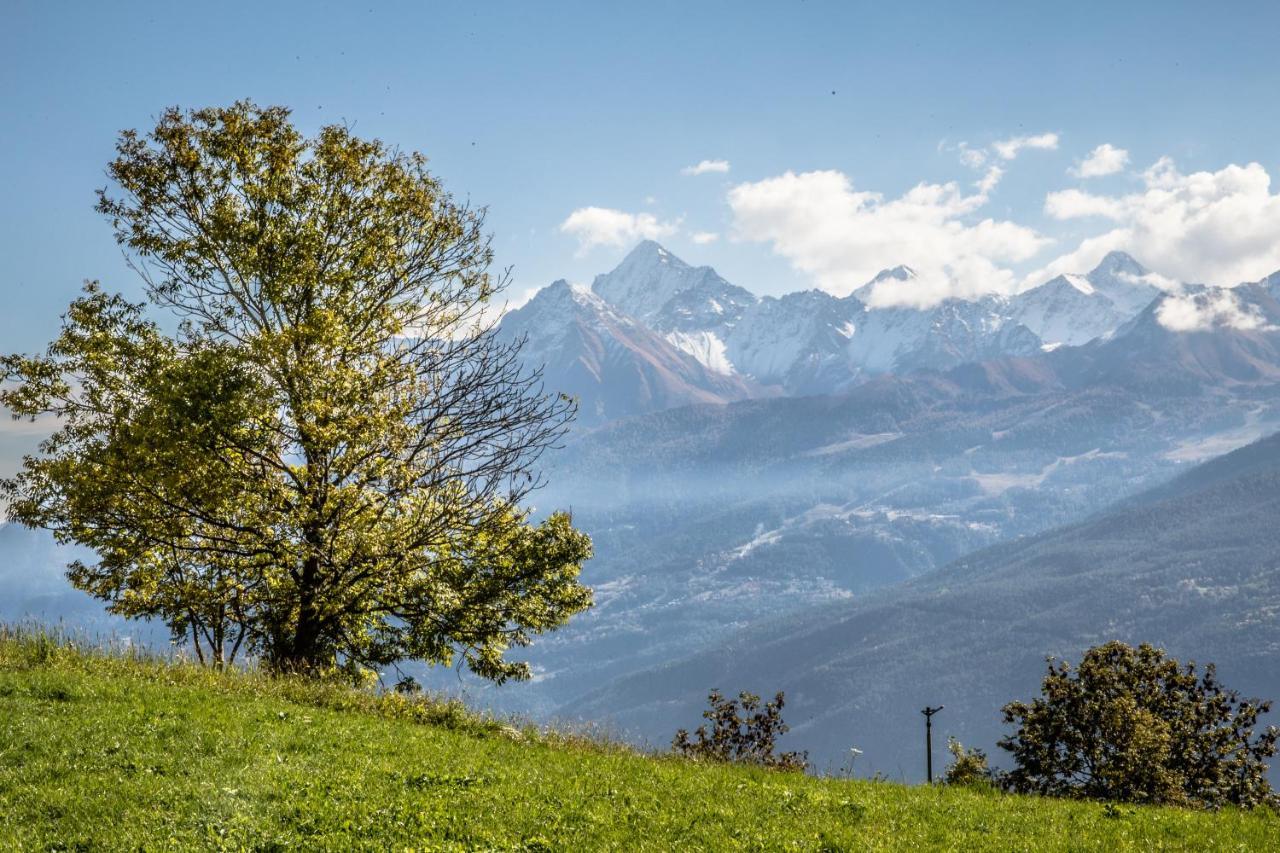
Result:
{"points": [[304, 651]]}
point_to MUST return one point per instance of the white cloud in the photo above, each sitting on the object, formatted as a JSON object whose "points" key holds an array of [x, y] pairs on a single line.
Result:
{"points": [[1160, 282], [1198, 312], [974, 158], [1106, 159], [843, 237], [1009, 148], [704, 237], [1075, 204], [977, 158], [990, 179], [602, 226], [1212, 227], [705, 167]]}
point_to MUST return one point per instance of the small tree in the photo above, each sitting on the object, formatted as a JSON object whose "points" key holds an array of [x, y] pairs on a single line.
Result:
{"points": [[323, 454], [1133, 725], [968, 766], [741, 732]]}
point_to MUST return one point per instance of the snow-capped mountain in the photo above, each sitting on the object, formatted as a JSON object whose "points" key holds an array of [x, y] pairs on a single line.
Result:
{"points": [[951, 333], [665, 293], [902, 272], [693, 307], [1067, 310], [1216, 336], [658, 332], [615, 365], [798, 341], [1271, 284], [1125, 282], [1074, 309]]}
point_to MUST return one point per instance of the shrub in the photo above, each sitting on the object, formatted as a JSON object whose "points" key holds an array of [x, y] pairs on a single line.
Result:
{"points": [[742, 732], [968, 766]]}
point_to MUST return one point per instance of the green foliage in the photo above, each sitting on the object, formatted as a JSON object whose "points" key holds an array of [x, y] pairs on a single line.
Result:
{"points": [[120, 752], [742, 732], [968, 766], [1132, 725], [326, 462]]}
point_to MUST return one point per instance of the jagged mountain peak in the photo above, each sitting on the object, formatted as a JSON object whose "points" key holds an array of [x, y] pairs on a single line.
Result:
{"points": [[1117, 263], [651, 253], [1271, 284], [1078, 282], [1073, 309], [616, 365], [1125, 282], [901, 272], [650, 278], [656, 309], [812, 296], [560, 295]]}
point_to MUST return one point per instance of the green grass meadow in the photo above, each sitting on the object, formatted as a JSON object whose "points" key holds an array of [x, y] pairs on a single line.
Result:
{"points": [[116, 751]]}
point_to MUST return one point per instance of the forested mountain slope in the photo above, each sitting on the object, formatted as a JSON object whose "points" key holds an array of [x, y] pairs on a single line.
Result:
{"points": [[1193, 566]]}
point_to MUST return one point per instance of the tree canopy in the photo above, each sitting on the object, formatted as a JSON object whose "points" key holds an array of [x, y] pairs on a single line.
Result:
{"points": [[1134, 725], [308, 442]]}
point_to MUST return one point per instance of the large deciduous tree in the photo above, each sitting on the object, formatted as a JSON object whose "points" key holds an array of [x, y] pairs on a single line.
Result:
{"points": [[324, 455], [1133, 725]]}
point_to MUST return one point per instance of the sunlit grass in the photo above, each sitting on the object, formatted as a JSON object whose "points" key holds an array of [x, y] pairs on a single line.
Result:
{"points": [[120, 750]]}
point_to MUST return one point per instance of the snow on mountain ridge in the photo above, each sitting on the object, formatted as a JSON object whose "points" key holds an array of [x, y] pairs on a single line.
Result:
{"points": [[706, 347], [901, 272], [951, 333], [1080, 283], [797, 341], [811, 342], [650, 278], [614, 364], [1125, 282], [1074, 309]]}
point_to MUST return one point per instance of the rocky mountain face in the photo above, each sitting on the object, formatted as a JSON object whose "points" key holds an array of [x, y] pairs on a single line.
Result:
{"points": [[797, 342], [1222, 337], [802, 343], [901, 339], [659, 289], [614, 363], [1075, 309]]}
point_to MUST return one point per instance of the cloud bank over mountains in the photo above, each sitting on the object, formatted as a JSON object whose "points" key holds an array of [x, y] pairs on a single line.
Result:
{"points": [[1213, 227], [1200, 312], [842, 236]]}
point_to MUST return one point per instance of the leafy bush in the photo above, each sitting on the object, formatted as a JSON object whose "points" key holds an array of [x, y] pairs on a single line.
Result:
{"points": [[742, 732], [968, 766], [1132, 725]]}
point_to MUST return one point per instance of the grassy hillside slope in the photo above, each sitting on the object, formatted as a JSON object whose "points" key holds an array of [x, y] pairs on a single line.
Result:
{"points": [[117, 752]]}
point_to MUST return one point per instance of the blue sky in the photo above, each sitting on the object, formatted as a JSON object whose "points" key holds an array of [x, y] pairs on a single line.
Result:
{"points": [[828, 114]]}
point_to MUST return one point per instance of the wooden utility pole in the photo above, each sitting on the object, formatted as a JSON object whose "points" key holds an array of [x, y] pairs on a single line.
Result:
{"points": [[928, 739]]}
